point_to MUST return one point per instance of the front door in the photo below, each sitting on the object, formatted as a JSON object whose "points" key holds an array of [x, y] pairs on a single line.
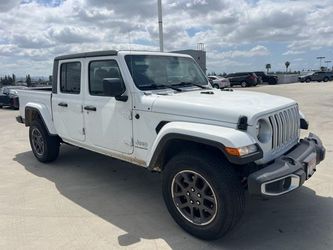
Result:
{"points": [[108, 122], [67, 102]]}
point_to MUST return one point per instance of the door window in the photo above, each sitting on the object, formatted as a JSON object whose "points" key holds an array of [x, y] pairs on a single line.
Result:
{"points": [[70, 78], [100, 70]]}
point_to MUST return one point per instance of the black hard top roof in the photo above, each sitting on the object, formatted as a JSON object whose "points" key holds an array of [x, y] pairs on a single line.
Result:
{"points": [[88, 54]]}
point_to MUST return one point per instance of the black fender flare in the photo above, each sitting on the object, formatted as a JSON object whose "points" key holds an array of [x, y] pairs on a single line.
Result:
{"points": [[163, 145]]}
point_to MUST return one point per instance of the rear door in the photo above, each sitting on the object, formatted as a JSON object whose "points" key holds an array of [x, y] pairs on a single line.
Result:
{"points": [[231, 78], [239, 78], [67, 102], [316, 76]]}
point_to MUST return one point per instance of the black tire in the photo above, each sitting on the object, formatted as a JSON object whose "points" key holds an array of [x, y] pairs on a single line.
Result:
{"points": [[326, 79], [216, 86], [243, 84], [272, 82], [308, 80], [44, 146], [226, 187]]}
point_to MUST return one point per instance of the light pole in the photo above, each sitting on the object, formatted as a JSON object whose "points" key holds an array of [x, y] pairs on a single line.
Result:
{"points": [[160, 24], [320, 58], [327, 62]]}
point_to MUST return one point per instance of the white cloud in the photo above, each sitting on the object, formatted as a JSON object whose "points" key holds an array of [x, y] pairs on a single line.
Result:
{"points": [[258, 50], [33, 33], [293, 52], [70, 34]]}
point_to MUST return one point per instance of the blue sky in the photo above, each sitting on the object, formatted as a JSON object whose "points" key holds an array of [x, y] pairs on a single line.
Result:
{"points": [[238, 35]]}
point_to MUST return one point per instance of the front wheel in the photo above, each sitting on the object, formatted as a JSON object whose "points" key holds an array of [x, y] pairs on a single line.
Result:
{"points": [[325, 79], [308, 80], [216, 86], [244, 84], [203, 194], [44, 146]]}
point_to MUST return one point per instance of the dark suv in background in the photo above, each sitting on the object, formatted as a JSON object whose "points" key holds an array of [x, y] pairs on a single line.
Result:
{"points": [[245, 79], [9, 97], [316, 76], [270, 79]]}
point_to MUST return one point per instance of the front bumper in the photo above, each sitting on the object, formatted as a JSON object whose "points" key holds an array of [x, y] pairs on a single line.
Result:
{"points": [[289, 171]]}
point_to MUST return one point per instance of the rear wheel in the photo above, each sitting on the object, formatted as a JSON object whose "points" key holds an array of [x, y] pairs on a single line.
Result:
{"points": [[272, 82], [203, 194], [326, 79], [244, 84], [308, 80], [44, 146], [216, 86]]}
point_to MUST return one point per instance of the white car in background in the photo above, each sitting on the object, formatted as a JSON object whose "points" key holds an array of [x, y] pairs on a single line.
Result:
{"points": [[219, 82]]}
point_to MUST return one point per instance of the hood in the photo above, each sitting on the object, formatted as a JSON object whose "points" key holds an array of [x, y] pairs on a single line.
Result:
{"points": [[222, 106]]}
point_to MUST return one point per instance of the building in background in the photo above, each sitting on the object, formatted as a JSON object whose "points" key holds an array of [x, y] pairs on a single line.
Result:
{"points": [[199, 55]]}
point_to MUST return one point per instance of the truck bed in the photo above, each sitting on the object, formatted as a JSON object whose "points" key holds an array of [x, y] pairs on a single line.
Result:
{"points": [[36, 96]]}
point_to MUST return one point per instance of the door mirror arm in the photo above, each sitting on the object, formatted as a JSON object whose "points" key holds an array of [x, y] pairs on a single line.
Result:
{"points": [[122, 98]]}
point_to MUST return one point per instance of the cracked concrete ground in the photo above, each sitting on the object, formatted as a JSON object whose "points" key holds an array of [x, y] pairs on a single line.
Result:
{"points": [[89, 201]]}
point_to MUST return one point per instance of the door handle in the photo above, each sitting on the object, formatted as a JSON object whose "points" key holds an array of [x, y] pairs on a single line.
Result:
{"points": [[63, 104], [90, 108]]}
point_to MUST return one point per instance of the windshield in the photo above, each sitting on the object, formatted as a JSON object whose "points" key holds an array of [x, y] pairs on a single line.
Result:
{"points": [[153, 72]]}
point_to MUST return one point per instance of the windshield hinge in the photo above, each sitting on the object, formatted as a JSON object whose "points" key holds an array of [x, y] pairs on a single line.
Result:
{"points": [[242, 123], [83, 131], [131, 115]]}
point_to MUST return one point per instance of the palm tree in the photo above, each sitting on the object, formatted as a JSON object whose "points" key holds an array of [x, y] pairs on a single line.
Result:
{"points": [[268, 67], [287, 65]]}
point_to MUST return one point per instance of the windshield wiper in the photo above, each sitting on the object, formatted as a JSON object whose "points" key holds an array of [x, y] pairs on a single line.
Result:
{"points": [[185, 84], [160, 86]]}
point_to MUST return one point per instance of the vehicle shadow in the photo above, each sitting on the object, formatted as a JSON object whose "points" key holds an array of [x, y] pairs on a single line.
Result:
{"points": [[129, 197]]}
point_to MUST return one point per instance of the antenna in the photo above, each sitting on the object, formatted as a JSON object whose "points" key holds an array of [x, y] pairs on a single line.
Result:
{"points": [[160, 24], [129, 40]]}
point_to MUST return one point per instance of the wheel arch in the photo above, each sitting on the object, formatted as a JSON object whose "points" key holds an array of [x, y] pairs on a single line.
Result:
{"points": [[176, 137], [174, 143], [33, 112]]}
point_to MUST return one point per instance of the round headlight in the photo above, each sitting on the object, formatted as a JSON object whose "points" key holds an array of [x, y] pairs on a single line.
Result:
{"points": [[264, 132]]}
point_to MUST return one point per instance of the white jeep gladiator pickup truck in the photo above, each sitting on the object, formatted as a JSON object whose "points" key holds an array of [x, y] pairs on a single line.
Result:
{"points": [[158, 111]]}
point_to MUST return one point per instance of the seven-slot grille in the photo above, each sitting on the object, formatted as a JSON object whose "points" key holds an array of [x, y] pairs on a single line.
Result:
{"points": [[285, 126]]}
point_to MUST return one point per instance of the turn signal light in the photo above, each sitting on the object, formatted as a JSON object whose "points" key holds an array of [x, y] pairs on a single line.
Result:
{"points": [[241, 151]]}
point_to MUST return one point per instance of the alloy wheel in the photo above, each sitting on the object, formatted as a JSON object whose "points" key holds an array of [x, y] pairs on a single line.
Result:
{"points": [[38, 142], [194, 197]]}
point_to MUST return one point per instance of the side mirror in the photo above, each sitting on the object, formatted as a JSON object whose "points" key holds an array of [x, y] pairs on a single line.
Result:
{"points": [[113, 87]]}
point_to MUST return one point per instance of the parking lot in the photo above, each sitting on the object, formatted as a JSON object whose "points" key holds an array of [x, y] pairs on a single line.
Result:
{"points": [[88, 201]]}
